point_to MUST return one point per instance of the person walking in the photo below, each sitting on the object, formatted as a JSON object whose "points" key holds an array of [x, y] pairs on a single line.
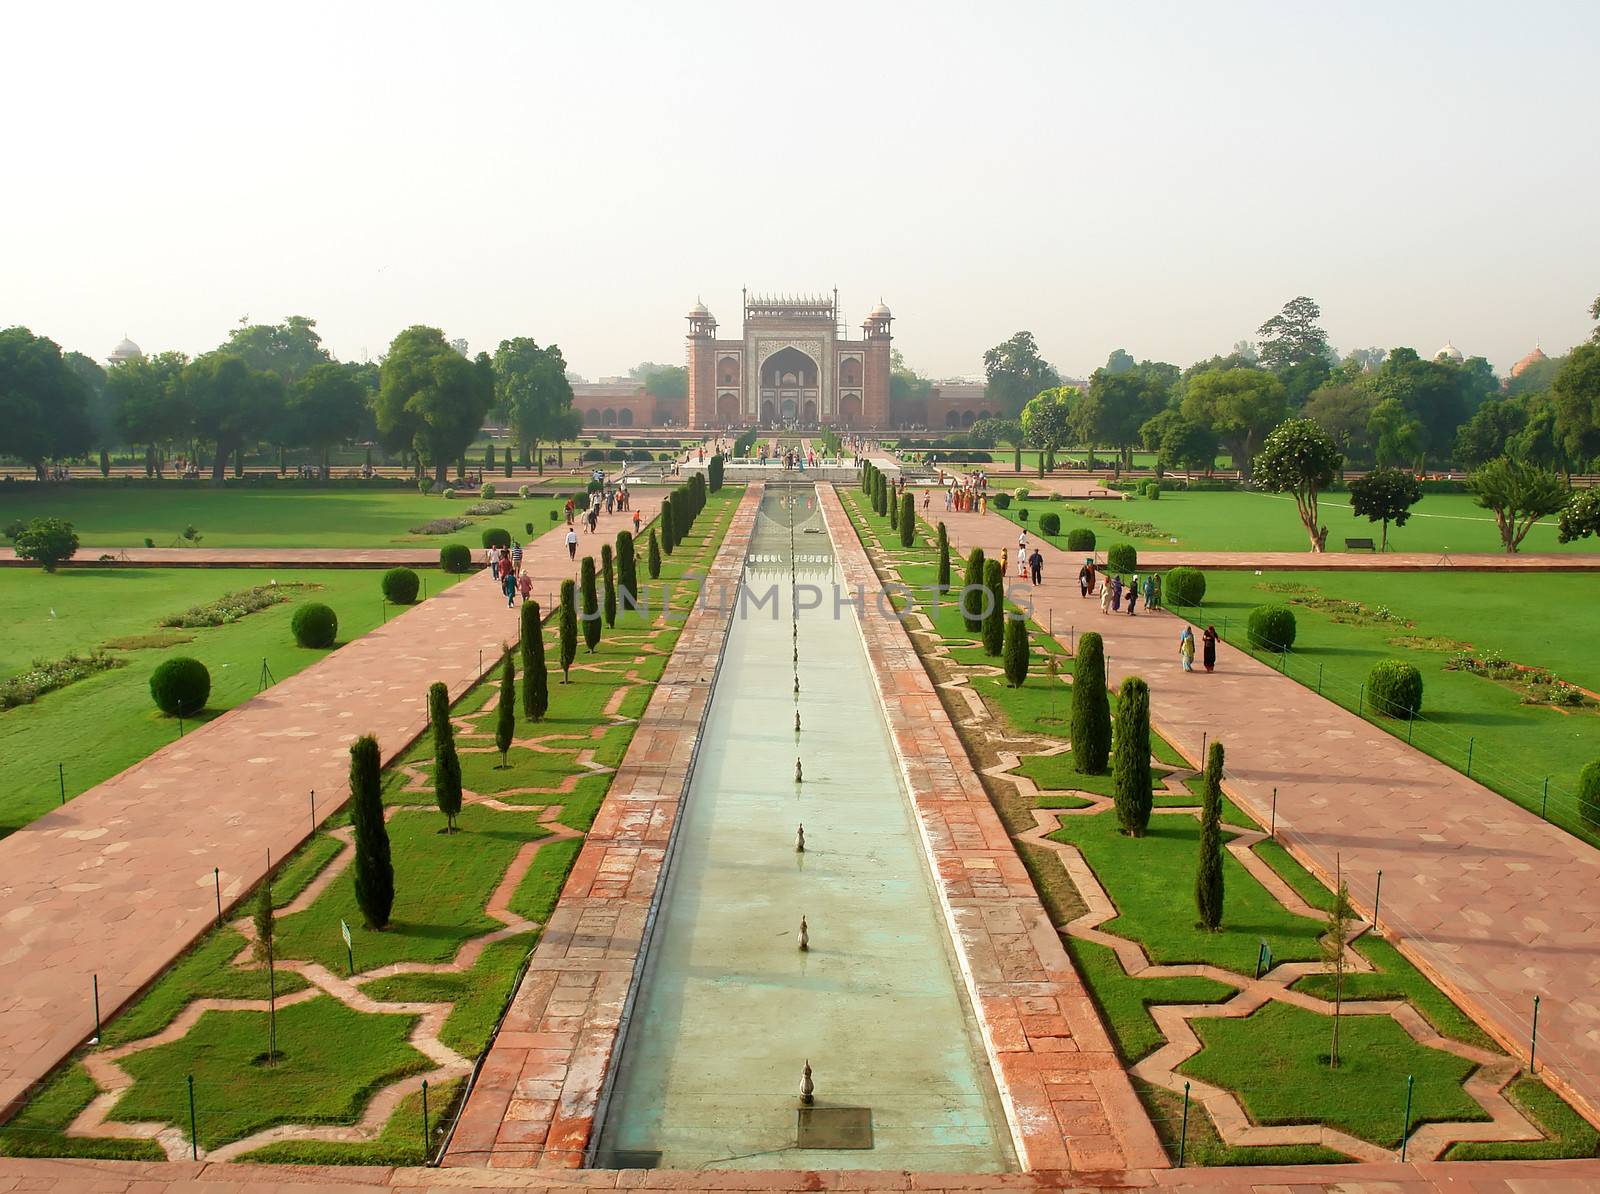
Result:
{"points": [[508, 586], [1186, 648], [1152, 599], [1022, 564], [572, 543], [1115, 585], [1105, 598], [569, 511], [516, 557], [525, 583], [1133, 594], [636, 523], [1209, 641], [1036, 566], [1005, 561], [1149, 591], [1086, 578]]}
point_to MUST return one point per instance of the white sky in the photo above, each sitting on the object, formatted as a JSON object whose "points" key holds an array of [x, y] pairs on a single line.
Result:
{"points": [[1160, 177]]}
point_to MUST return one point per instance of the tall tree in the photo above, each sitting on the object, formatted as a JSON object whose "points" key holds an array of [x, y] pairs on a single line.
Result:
{"points": [[1047, 420], [150, 405], [1335, 941], [535, 676], [325, 406], [232, 405], [971, 598], [1490, 431], [1576, 391], [1016, 651], [1091, 707], [431, 399], [1397, 436], [608, 580], [1299, 458], [1519, 494], [943, 576], [627, 571], [1387, 495], [290, 349], [1208, 878], [44, 405], [263, 949], [994, 622], [1122, 403], [1179, 442], [1016, 372], [505, 723], [1120, 361], [446, 763], [1240, 405], [569, 628], [532, 391], [1130, 757], [374, 870], [1343, 408], [1293, 336]]}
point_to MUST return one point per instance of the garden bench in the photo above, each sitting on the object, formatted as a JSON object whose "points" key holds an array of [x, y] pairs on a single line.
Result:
{"points": [[1353, 544]]}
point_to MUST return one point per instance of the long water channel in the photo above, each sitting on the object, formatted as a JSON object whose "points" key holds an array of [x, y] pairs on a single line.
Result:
{"points": [[729, 1009]]}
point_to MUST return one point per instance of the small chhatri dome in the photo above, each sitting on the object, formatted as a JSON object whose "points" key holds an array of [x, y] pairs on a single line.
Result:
{"points": [[879, 312], [1533, 358], [698, 311], [127, 350], [1449, 353]]}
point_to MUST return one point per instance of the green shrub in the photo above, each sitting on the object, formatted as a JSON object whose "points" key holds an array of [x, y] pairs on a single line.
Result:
{"points": [[1022, 514], [1016, 652], [486, 490], [1050, 523], [45, 541], [1020, 493], [1589, 793], [448, 493], [455, 557], [522, 491], [994, 624], [180, 685], [1130, 757], [1394, 687], [1153, 491], [496, 537], [1184, 586], [1091, 707], [908, 519], [425, 484], [1122, 557], [1002, 501], [314, 625], [400, 585], [1080, 539], [1271, 628]]}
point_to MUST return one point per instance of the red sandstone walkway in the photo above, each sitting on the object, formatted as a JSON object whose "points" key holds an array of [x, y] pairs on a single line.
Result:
{"points": [[1493, 902], [119, 881]]}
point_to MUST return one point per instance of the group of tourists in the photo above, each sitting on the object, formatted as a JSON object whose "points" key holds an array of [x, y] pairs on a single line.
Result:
{"points": [[1030, 565], [505, 569], [1208, 648], [1117, 594], [967, 496]]}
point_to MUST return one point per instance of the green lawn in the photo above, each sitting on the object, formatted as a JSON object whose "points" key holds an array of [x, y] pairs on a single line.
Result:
{"points": [[109, 516], [1535, 619], [1249, 521], [75, 610]]}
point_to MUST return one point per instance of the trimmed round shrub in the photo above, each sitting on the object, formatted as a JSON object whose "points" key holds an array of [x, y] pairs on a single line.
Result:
{"points": [[1002, 501], [496, 537], [1020, 493], [486, 490], [425, 484], [180, 685], [522, 491], [1183, 586], [1394, 687], [528, 527], [1589, 793], [400, 586], [555, 516], [1152, 491], [448, 493], [455, 557], [1080, 539], [1122, 557], [1050, 523], [1271, 627], [1022, 514], [314, 625]]}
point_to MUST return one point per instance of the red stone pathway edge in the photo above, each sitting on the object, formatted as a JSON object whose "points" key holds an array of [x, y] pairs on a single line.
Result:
{"points": [[536, 1100], [1070, 1103]]}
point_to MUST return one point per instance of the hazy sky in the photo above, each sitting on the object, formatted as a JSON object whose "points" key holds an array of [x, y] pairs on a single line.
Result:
{"points": [[1160, 177]]}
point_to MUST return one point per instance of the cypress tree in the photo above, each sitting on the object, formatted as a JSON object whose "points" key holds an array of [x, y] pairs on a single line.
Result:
{"points": [[944, 560], [994, 625], [714, 471], [653, 556], [1016, 651], [667, 527], [1091, 707], [893, 509], [505, 724], [374, 870], [265, 920], [535, 676], [608, 574], [971, 601], [446, 763], [1130, 757], [590, 609], [1208, 880], [569, 628], [908, 520], [627, 570]]}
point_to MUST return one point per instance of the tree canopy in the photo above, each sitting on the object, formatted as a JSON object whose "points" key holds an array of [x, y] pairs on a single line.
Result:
{"points": [[44, 403], [290, 349], [1385, 495], [230, 404], [431, 398], [1292, 336], [1519, 494], [531, 388], [1016, 372], [1299, 458], [1240, 405]]}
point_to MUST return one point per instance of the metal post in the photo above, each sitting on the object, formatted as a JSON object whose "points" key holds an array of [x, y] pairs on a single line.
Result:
{"points": [[1319, 679], [194, 1143], [216, 877], [1411, 723], [96, 979], [1544, 801], [61, 778], [1533, 1039], [1406, 1131], [313, 810], [1273, 832], [1202, 748], [1183, 1134], [1470, 743], [1377, 899], [1361, 694], [424, 1121]]}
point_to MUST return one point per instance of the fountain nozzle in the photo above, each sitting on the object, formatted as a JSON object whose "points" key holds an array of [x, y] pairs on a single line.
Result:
{"points": [[805, 936], [807, 1087], [800, 839], [797, 721], [799, 776]]}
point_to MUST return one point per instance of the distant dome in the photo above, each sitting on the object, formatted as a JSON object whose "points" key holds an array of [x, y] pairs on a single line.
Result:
{"points": [[127, 350], [1449, 353], [1533, 358], [879, 312], [698, 311]]}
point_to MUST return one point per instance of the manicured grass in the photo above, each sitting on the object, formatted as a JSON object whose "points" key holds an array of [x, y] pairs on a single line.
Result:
{"points": [[109, 516], [536, 896], [1570, 1135], [1125, 1002], [478, 994], [400, 1142], [77, 609], [39, 1129], [1276, 1061], [1396, 978], [1514, 746], [1201, 1144], [1250, 521], [332, 1060]]}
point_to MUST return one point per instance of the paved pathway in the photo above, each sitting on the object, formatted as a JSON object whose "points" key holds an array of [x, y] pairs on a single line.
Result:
{"points": [[1496, 904], [120, 880]]}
